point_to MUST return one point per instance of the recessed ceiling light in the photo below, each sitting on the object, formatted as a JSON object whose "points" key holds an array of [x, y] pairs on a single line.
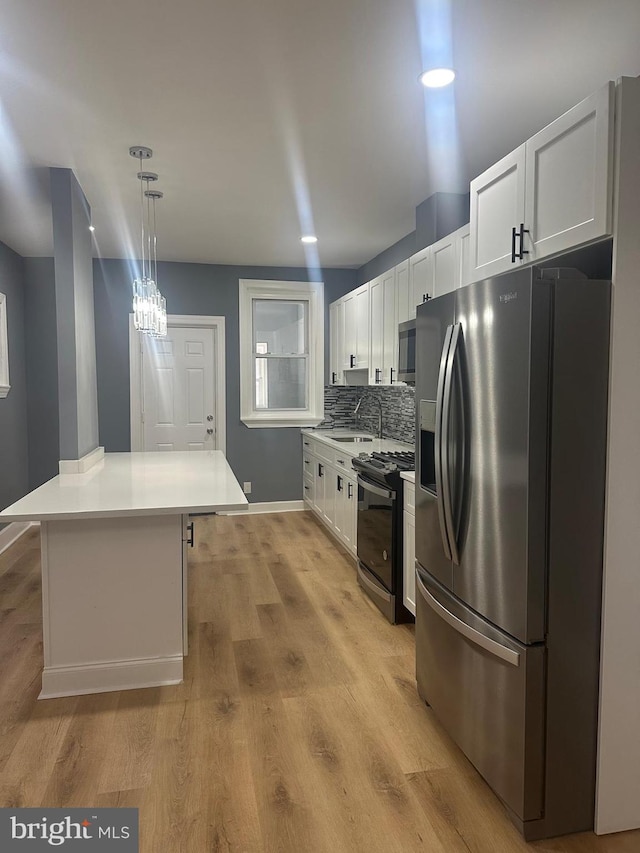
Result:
{"points": [[309, 238], [92, 228], [435, 78]]}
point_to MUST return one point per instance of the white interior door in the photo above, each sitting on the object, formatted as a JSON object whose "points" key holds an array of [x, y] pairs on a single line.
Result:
{"points": [[178, 382]]}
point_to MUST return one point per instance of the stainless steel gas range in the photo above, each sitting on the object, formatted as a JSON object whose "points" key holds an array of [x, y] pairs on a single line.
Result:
{"points": [[380, 529]]}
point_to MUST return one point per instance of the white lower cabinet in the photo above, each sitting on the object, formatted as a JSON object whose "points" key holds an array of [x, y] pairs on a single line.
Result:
{"points": [[331, 491], [409, 538]]}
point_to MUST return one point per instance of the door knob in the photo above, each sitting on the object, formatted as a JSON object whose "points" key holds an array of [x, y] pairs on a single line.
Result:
{"points": [[209, 417], [209, 431]]}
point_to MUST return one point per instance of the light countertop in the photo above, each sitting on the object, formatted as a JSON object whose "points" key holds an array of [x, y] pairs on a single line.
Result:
{"points": [[409, 476], [130, 484], [378, 445]]}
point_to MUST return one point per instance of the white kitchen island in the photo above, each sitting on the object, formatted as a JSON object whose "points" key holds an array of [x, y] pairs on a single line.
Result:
{"points": [[114, 566]]}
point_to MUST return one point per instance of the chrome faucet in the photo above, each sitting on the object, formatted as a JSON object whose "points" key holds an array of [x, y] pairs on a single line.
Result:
{"points": [[379, 402]]}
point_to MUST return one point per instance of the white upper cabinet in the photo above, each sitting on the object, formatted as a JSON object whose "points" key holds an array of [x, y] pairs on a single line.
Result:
{"points": [[464, 256], [403, 300], [568, 195], [420, 279], [497, 209], [356, 328], [444, 265], [552, 194], [336, 342], [384, 329]]}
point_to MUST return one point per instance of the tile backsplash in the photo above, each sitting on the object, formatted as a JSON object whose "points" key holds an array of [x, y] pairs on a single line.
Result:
{"points": [[398, 409]]}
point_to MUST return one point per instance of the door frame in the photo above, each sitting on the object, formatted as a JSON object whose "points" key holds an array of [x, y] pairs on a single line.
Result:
{"points": [[135, 375]]}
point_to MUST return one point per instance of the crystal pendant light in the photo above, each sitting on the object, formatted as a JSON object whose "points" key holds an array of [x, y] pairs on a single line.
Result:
{"points": [[149, 305]]}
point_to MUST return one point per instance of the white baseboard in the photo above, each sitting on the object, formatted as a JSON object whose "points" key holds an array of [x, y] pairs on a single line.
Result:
{"points": [[106, 677], [81, 466], [270, 506], [12, 532]]}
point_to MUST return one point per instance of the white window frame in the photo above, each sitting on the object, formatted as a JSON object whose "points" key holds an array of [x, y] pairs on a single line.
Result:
{"points": [[311, 292]]}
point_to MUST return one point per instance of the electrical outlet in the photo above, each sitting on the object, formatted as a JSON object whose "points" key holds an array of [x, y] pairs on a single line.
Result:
{"points": [[246, 487]]}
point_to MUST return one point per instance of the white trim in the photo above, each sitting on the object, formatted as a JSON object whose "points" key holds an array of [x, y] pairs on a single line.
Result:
{"points": [[5, 387], [107, 677], [313, 293], [135, 375], [81, 466], [12, 532], [270, 506]]}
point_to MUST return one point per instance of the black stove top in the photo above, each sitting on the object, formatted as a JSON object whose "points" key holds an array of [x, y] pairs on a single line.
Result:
{"points": [[385, 466]]}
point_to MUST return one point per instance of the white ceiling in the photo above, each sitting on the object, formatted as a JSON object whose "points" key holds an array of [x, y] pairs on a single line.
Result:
{"points": [[272, 117]]}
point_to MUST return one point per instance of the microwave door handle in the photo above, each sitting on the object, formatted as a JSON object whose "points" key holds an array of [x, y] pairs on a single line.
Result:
{"points": [[447, 497], [438, 442]]}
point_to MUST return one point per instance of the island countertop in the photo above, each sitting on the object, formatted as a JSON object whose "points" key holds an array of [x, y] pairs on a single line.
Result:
{"points": [[132, 484]]}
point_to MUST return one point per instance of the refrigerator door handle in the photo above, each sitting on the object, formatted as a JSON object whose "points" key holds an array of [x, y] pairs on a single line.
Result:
{"points": [[447, 497], [497, 649], [438, 442]]}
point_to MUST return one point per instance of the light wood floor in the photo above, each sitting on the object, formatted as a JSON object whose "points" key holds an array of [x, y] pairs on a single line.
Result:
{"points": [[298, 727]]}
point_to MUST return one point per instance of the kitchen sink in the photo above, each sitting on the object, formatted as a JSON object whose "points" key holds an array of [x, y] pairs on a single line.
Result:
{"points": [[352, 439]]}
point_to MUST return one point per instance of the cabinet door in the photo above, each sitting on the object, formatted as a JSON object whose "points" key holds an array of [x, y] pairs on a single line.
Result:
{"points": [[362, 326], [319, 480], [350, 516], [444, 265], [376, 307], [568, 197], [329, 494], [497, 206], [350, 331], [389, 328], [420, 278], [336, 342], [403, 301], [409, 571], [464, 257], [340, 491]]}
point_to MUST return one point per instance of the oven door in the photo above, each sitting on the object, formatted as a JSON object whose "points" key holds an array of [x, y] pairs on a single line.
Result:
{"points": [[375, 530]]}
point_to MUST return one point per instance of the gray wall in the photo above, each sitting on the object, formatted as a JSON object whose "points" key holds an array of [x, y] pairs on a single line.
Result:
{"points": [[436, 217], [13, 408], [269, 458], [42, 370], [78, 404]]}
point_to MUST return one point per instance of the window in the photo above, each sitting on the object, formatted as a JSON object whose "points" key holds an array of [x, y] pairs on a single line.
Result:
{"points": [[281, 353]]}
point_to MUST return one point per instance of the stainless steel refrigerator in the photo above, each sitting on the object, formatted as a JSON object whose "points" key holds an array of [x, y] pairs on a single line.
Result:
{"points": [[511, 407]]}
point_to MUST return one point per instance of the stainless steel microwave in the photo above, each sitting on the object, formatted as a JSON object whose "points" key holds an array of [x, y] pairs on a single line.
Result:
{"points": [[407, 351]]}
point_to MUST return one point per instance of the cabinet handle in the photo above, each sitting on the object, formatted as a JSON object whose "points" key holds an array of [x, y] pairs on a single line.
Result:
{"points": [[306, 461], [306, 443], [333, 378], [352, 361], [339, 483], [513, 245], [350, 490], [340, 461], [392, 372], [320, 467], [191, 539], [425, 297], [378, 372], [523, 231], [306, 488]]}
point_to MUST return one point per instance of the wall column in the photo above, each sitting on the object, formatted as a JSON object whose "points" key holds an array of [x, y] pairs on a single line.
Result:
{"points": [[78, 399]]}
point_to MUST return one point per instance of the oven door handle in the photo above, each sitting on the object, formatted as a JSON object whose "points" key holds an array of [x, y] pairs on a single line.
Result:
{"points": [[377, 490]]}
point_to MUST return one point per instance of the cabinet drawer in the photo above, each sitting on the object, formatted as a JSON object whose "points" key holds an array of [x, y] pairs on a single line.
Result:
{"points": [[324, 452], [307, 464], [342, 459], [307, 444], [409, 498]]}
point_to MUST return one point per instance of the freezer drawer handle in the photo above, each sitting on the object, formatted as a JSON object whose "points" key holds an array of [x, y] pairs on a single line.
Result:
{"points": [[491, 646]]}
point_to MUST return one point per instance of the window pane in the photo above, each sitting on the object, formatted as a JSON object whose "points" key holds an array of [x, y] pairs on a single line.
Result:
{"points": [[281, 324], [281, 383]]}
